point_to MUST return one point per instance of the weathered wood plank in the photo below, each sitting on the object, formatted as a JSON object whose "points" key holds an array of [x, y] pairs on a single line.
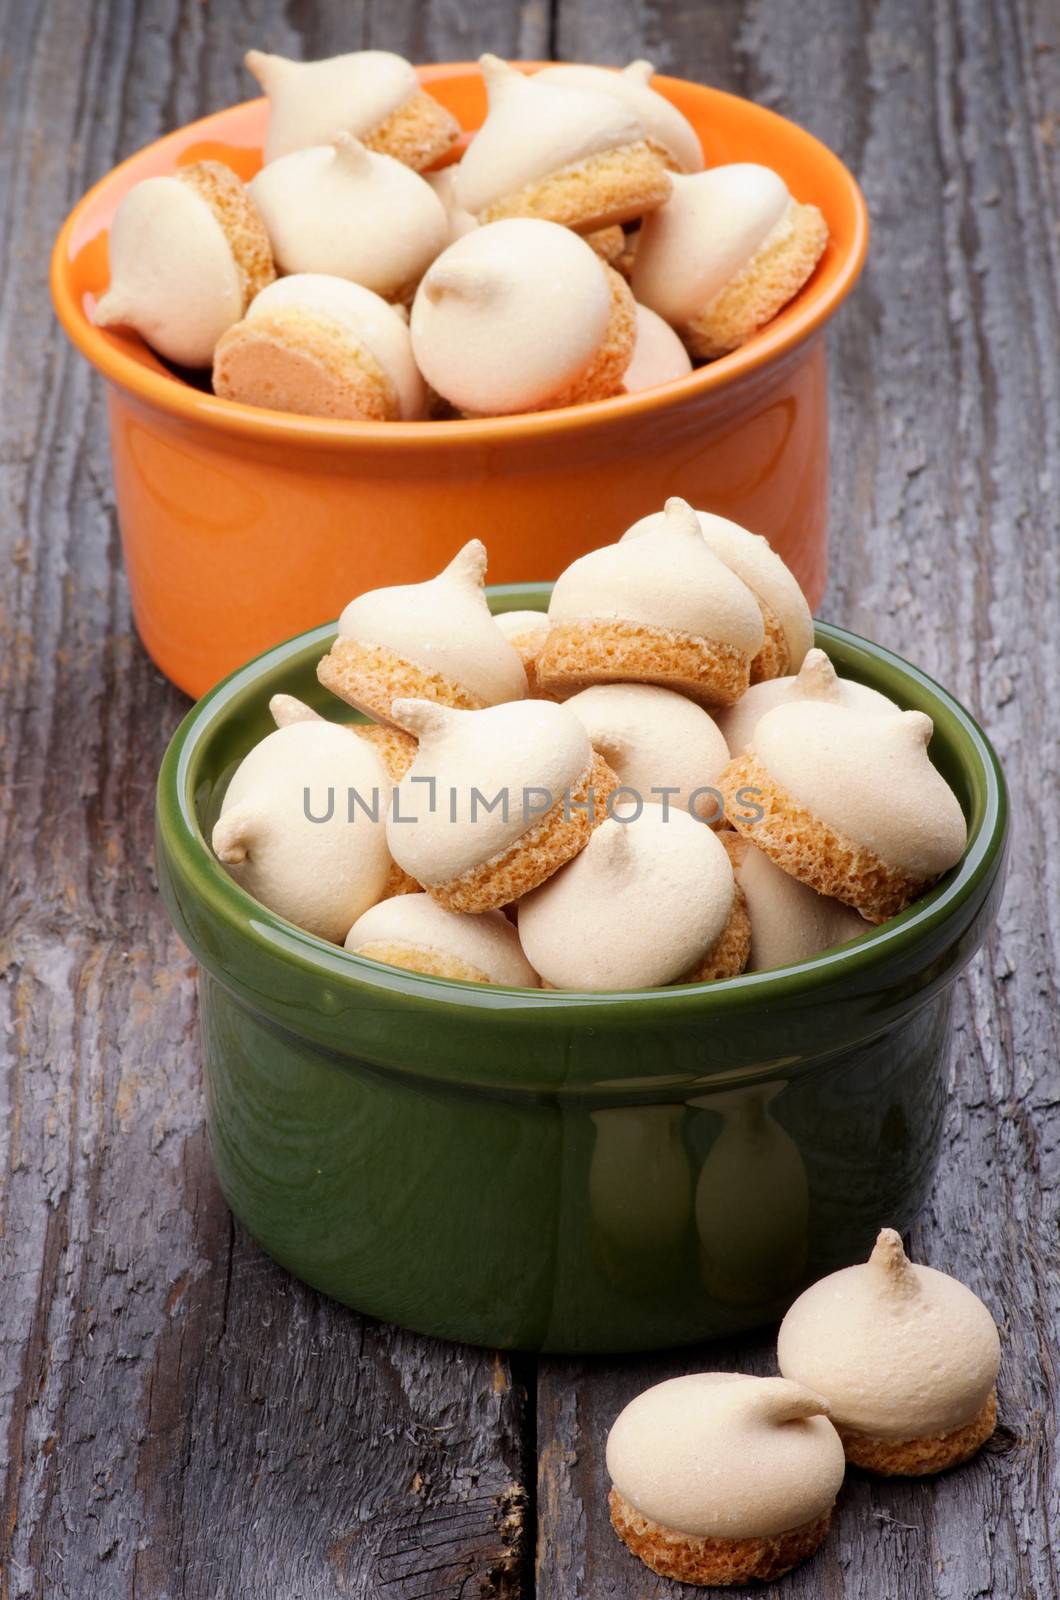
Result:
{"points": [[178, 1416], [946, 546]]}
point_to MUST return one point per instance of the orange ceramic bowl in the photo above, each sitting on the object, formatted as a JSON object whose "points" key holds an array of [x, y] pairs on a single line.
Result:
{"points": [[241, 527]]}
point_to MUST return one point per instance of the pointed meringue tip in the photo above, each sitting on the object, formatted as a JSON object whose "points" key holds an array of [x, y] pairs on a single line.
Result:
{"points": [[779, 1400], [468, 279], [468, 565], [424, 718], [639, 71], [680, 518], [611, 840], [817, 679], [497, 73], [233, 835], [918, 726], [889, 1257], [285, 710], [351, 152], [260, 65], [112, 311]]}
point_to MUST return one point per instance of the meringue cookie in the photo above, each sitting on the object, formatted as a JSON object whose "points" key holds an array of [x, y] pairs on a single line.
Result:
{"points": [[816, 679], [668, 132], [658, 354], [432, 641], [285, 834], [654, 740], [725, 253], [187, 255], [526, 631], [495, 801], [790, 922], [785, 613], [850, 805], [906, 1356], [650, 900], [341, 210], [572, 155], [322, 347], [720, 1477], [521, 315], [372, 94], [416, 933], [395, 749], [660, 608]]}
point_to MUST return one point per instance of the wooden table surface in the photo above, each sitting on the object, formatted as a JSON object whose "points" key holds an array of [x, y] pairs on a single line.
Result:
{"points": [[180, 1417]]}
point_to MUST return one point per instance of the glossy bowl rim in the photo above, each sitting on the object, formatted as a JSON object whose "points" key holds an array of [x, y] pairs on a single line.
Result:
{"points": [[188, 856], [170, 395]]}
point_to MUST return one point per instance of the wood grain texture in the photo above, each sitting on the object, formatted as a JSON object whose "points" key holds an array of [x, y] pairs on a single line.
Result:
{"points": [[180, 1418]]}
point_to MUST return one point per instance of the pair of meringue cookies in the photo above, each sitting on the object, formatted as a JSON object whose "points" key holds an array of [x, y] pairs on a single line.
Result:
{"points": [[518, 313], [722, 1478], [578, 764]]}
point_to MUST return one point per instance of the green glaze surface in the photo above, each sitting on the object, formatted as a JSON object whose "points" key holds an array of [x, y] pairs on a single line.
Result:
{"points": [[559, 1171]]}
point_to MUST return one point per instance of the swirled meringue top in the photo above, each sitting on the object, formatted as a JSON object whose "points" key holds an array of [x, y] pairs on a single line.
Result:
{"points": [[173, 276], [343, 210], [479, 781], [816, 679], [705, 233], [487, 941], [643, 902], [534, 129], [311, 101], [443, 626], [666, 578], [318, 870], [663, 124], [870, 778], [724, 1455], [654, 739], [900, 1351], [753, 559], [364, 317], [510, 315]]}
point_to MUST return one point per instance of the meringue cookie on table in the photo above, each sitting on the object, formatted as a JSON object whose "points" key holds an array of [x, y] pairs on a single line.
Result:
{"points": [[573, 155], [322, 347], [725, 253], [906, 1356], [341, 210], [720, 1477], [320, 870], [188, 253], [816, 679], [372, 94], [785, 613], [658, 354], [668, 132], [520, 315]]}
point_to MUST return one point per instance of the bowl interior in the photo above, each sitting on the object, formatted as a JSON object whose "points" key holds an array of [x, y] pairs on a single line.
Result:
{"points": [[220, 730], [730, 129]]}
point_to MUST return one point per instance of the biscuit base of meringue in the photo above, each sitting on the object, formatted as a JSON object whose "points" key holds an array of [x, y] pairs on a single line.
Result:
{"points": [[709, 1561], [370, 678], [809, 849], [578, 654], [605, 374], [728, 955], [608, 243], [773, 276], [417, 134], [773, 660], [615, 186], [418, 958], [303, 364], [552, 841], [919, 1457]]}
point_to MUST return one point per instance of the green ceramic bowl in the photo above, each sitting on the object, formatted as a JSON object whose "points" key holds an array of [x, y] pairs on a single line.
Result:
{"points": [[576, 1172]]}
